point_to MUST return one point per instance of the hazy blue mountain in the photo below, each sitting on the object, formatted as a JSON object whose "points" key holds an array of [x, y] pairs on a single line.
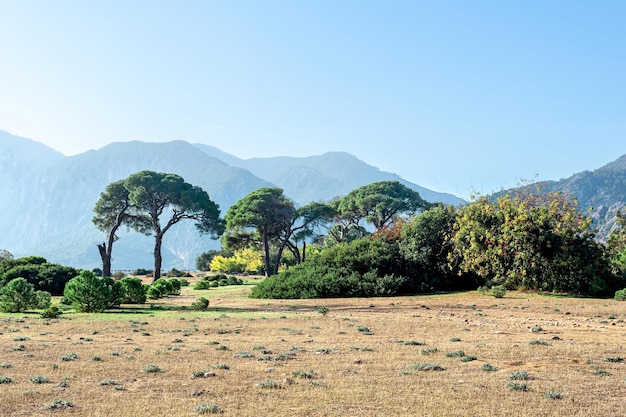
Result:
{"points": [[48, 198], [56, 204], [321, 177]]}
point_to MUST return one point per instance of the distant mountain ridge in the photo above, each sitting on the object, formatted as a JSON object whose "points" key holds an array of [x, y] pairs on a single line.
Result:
{"points": [[600, 193], [321, 177], [48, 198]]}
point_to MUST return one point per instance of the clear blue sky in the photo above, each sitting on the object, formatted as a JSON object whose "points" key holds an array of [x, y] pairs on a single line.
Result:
{"points": [[452, 95]]}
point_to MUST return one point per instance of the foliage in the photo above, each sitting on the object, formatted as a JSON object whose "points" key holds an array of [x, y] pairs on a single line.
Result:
{"points": [[112, 210], [38, 271], [152, 193], [142, 271], [202, 285], [529, 240], [165, 287], [360, 268], [616, 246], [498, 291], [203, 261], [243, 260], [424, 246], [133, 290], [19, 295], [91, 294], [201, 303], [620, 295], [263, 218], [51, 313], [379, 203]]}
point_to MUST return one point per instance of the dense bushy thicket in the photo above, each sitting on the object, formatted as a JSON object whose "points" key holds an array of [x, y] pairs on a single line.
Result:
{"points": [[44, 276], [519, 241], [363, 267]]}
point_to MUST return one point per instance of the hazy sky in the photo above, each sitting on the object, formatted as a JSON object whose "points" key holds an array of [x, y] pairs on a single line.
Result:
{"points": [[452, 95]]}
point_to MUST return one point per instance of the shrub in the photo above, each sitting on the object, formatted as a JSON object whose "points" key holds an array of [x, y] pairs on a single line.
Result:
{"points": [[498, 291], [51, 313], [202, 285], [165, 287], [174, 273], [5, 380], [200, 304], [118, 275], [43, 300], [184, 282], [553, 395], [620, 295], [489, 368], [133, 291], [153, 293], [19, 295], [176, 286], [90, 294], [43, 275]]}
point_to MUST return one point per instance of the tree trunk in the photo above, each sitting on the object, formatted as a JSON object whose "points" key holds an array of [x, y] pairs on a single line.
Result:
{"points": [[105, 255], [267, 261], [158, 239]]}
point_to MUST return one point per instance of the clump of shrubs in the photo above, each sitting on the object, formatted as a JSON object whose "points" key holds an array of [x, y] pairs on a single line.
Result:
{"points": [[200, 304]]}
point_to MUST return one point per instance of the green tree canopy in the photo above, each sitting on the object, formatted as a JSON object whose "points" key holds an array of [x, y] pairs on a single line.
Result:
{"points": [[530, 240], [113, 210], [166, 199], [263, 218], [379, 203]]}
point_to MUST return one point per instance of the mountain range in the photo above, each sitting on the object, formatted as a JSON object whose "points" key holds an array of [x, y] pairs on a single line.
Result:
{"points": [[48, 198]]}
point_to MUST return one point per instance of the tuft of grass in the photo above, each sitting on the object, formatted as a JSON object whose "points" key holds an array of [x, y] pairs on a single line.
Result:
{"points": [[5, 380], [455, 339], [519, 376], [455, 354], [107, 382], [468, 358], [72, 356], [39, 379], [268, 384], [489, 368], [553, 395], [601, 372], [614, 359], [426, 366], [59, 405], [304, 374], [414, 343], [518, 386], [428, 350], [538, 343], [221, 366], [208, 409], [151, 368]]}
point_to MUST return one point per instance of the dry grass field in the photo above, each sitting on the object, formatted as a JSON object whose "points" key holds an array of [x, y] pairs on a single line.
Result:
{"points": [[436, 355]]}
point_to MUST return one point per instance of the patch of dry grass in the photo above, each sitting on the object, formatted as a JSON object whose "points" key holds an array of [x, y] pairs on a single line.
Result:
{"points": [[361, 359]]}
